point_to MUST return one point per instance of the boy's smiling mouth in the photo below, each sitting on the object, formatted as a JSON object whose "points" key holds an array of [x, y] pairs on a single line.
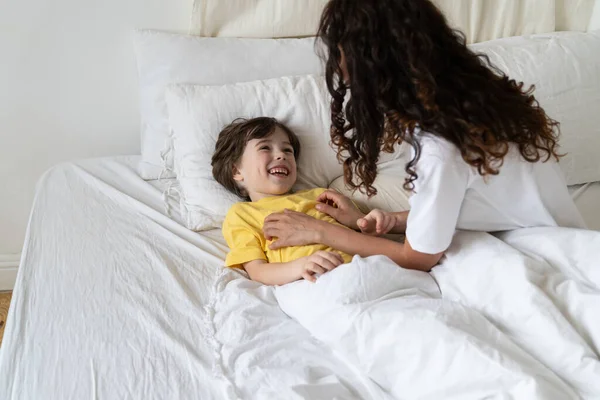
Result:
{"points": [[279, 171]]}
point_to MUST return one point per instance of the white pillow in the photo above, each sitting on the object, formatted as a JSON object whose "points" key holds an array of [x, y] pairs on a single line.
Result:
{"points": [[565, 67], [390, 196], [165, 58], [198, 113]]}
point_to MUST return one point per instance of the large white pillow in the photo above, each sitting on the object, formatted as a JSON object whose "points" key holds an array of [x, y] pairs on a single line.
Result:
{"points": [[565, 67], [198, 113], [390, 196], [165, 58]]}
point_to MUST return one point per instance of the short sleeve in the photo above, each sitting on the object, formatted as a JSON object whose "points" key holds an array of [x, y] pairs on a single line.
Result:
{"points": [[439, 193], [243, 240]]}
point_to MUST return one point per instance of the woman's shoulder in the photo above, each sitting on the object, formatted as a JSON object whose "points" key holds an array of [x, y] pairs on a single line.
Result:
{"points": [[434, 146]]}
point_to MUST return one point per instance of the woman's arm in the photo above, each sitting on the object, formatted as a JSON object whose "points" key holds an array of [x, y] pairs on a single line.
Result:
{"points": [[352, 242], [295, 229]]}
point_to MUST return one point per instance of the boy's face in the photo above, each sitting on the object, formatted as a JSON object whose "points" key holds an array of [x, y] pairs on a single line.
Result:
{"points": [[267, 167]]}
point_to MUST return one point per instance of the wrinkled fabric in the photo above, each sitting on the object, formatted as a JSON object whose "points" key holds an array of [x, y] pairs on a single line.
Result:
{"points": [[116, 300], [416, 342]]}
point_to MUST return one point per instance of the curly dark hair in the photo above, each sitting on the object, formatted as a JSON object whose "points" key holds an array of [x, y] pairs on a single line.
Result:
{"points": [[232, 142], [409, 71]]}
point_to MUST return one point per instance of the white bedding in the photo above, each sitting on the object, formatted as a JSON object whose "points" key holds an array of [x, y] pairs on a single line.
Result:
{"points": [[116, 300], [396, 326], [112, 301], [587, 200]]}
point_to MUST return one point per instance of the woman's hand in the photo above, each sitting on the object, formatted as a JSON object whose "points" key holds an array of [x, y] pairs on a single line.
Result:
{"points": [[291, 228], [339, 207], [377, 223]]}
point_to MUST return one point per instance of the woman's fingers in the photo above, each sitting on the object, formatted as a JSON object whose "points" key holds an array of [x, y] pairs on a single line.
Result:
{"points": [[291, 212], [327, 209], [271, 217], [270, 231], [272, 223], [329, 195], [275, 217], [278, 244]]}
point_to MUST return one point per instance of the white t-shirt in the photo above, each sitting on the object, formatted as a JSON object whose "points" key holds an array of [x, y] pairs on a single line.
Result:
{"points": [[450, 194]]}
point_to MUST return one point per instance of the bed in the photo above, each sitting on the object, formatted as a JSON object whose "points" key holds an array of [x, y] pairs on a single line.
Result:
{"points": [[132, 318], [115, 299]]}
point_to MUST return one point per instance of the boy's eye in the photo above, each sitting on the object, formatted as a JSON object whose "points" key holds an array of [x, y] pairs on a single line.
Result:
{"points": [[291, 151], [264, 148]]}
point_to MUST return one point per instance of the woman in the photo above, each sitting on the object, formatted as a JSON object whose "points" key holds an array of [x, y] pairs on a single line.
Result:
{"points": [[484, 153]]}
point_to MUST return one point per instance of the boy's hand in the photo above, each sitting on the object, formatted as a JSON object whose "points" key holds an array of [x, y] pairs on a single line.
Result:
{"points": [[376, 223], [318, 263]]}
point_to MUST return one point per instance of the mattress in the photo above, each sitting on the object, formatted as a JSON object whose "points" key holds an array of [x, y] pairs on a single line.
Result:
{"points": [[116, 299]]}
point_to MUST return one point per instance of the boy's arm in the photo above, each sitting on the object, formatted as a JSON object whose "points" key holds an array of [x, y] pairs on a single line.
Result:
{"points": [[401, 218], [287, 272], [272, 273]]}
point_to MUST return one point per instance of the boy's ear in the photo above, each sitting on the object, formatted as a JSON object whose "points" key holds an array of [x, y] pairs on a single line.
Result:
{"points": [[237, 175]]}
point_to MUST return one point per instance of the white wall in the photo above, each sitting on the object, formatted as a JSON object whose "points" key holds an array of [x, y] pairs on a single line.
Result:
{"points": [[67, 91]]}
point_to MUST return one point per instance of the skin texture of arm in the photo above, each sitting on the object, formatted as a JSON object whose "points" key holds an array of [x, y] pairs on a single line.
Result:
{"points": [[272, 273], [401, 218], [302, 268]]}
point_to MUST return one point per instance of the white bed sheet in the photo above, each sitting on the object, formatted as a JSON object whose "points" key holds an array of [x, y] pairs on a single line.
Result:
{"points": [[113, 301], [587, 199], [116, 300]]}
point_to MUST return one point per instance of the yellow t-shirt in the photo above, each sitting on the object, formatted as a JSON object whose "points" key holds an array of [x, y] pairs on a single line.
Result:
{"points": [[243, 229]]}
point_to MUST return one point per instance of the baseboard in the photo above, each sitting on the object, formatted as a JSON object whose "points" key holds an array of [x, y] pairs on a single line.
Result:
{"points": [[9, 263]]}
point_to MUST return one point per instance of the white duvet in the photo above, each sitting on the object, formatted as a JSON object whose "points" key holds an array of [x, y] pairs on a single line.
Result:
{"points": [[515, 317]]}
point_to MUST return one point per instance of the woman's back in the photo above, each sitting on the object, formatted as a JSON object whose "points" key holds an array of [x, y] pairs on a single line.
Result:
{"points": [[450, 193]]}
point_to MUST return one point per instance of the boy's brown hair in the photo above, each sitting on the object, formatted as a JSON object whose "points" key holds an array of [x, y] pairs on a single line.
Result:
{"points": [[232, 142]]}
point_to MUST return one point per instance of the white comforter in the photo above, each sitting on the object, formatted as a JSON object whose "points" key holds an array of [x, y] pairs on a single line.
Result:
{"points": [[511, 317]]}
